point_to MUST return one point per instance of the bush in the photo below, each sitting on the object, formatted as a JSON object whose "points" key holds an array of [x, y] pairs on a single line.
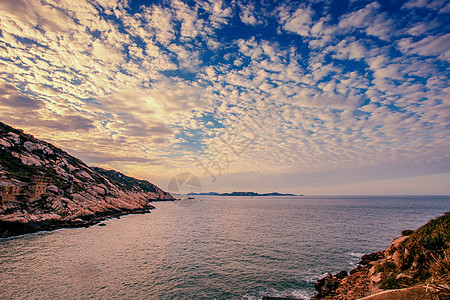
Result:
{"points": [[433, 243], [407, 232]]}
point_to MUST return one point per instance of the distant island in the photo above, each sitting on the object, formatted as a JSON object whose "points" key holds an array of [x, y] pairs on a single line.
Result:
{"points": [[243, 194]]}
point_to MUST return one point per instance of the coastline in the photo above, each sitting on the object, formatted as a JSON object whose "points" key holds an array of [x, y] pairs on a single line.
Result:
{"points": [[11, 229], [43, 188], [414, 265]]}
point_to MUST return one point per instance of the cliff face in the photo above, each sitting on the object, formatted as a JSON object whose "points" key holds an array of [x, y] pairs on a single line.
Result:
{"points": [[414, 261], [42, 187]]}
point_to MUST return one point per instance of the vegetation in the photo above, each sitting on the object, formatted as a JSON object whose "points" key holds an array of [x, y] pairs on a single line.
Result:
{"points": [[127, 182], [421, 258], [407, 232]]}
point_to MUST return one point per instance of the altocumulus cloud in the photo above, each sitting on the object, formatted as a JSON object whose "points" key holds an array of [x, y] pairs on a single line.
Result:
{"points": [[314, 88]]}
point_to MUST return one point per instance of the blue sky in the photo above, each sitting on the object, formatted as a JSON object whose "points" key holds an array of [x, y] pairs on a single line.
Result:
{"points": [[312, 97]]}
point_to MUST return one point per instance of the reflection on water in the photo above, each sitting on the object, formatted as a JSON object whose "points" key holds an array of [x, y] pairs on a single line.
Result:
{"points": [[219, 248]]}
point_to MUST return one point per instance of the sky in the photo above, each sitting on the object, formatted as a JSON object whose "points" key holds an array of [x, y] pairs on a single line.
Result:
{"points": [[305, 97]]}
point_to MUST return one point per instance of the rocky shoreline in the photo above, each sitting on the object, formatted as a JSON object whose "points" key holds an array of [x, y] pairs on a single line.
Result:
{"points": [[342, 285], [43, 188], [10, 229], [415, 266]]}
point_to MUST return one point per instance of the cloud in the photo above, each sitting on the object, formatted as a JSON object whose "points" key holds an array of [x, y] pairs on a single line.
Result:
{"points": [[350, 50], [433, 4], [69, 123], [247, 15], [165, 83], [298, 22], [219, 13], [430, 46], [11, 97], [369, 18], [329, 101]]}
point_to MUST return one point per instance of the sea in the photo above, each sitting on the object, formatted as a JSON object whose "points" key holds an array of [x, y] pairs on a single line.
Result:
{"points": [[214, 248]]}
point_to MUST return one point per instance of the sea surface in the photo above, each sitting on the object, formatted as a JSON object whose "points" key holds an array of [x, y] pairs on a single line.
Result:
{"points": [[217, 248]]}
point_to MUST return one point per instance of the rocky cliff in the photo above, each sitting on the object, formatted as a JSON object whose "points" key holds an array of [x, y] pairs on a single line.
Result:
{"points": [[42, 188], [416, 266]]}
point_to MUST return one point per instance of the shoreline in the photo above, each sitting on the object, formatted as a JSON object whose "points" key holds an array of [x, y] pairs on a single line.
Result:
{"points": [[417, 259], [14, 229]]}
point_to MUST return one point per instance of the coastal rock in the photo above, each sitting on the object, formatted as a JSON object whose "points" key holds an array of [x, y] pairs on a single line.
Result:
{"points": [[341, 275], [52, 189], [367, 258], [344, 287], [415, 261], [326, 285]]}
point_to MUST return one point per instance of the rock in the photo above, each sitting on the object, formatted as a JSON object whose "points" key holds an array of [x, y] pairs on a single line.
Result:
{"points": [[77, 195], [396, 257], [376, 278], [394, 246], [4, 143], [326, 285], [341, 275], [52, 189], [367, 258], [99, 190], [355, 270]]}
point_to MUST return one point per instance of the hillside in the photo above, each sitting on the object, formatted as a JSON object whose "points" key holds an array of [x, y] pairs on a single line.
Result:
{"points": [[131, 183], [42, 187], [415, 266]]}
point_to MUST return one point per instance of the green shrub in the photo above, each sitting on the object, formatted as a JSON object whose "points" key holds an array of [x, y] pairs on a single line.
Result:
{"points": [[433, 243], [407, 232]]}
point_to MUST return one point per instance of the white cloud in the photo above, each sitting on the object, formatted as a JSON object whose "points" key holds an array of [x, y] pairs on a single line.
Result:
{"points": [[369, 18], [433, 4], [298, 22], [339, 99], [329, 100], [430, 46], [247, 16], [350, 50]]}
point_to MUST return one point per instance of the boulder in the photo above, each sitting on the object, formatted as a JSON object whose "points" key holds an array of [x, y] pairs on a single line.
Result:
{"points": [[376, 278], [341, 275], [52, 189], [367, 258], [98, 190], [326, 285]]}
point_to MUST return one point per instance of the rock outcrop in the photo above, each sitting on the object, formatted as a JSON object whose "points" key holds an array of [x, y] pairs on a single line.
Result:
{"points": [[420, 259], [43, 188]]}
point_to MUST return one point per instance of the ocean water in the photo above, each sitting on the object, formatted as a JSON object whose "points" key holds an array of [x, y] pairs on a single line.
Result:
{"points": [[218, 248]]}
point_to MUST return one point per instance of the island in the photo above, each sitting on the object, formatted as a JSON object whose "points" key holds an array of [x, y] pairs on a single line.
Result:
{"points": [[251, 194]]}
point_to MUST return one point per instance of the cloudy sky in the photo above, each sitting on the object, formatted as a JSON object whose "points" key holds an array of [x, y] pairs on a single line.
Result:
{"points": [[319, 97]]}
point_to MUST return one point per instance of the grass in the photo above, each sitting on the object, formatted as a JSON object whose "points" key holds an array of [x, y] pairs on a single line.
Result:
{"points": [[425, 256]]}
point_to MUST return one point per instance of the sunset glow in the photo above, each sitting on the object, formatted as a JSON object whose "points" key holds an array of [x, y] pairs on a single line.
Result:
{"points": [[318, 97]]}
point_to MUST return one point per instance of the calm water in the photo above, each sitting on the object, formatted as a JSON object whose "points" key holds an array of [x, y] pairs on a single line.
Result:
{"points": [[219, 248]]}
